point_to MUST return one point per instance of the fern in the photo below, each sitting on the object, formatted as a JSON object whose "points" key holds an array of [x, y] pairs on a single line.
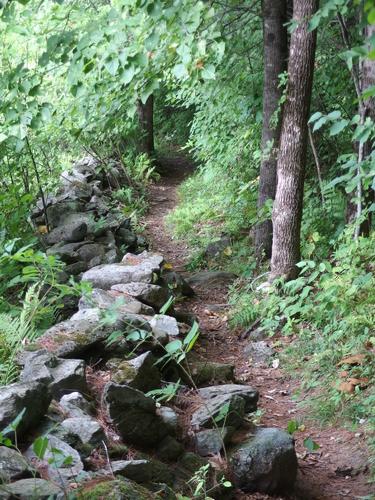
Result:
{"points": [[16, 332]]}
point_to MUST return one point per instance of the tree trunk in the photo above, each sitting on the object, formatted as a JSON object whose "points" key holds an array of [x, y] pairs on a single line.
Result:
{"points": [[275, 56], [146, 122], [287, 211], [368, 81]]}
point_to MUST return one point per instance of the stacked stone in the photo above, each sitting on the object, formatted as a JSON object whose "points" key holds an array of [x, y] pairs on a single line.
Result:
{"points": [[79, 224]]}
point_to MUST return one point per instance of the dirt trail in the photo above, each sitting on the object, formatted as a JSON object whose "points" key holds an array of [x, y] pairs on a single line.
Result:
{"points": [[338, 469]]}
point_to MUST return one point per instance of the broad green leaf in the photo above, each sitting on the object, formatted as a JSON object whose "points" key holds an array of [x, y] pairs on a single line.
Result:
{"points": [[180, 71], [310, 444], [338, 127], [40, 446]]}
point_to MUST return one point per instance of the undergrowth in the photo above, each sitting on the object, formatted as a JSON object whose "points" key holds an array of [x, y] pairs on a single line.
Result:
{"points": [[329, 311]]}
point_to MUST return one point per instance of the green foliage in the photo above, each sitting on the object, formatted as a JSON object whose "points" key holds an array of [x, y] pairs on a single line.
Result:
{"points": [[329, 310]]}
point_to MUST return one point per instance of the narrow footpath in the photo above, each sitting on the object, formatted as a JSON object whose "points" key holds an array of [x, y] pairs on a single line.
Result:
{"points": [[338, 469]]}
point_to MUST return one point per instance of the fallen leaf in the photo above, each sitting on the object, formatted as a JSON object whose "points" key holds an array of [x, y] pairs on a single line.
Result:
{"points": [[42, 229], [275, 363], [344, 374], [168, 266], [355, 359], [346, 387], [362, 382]]}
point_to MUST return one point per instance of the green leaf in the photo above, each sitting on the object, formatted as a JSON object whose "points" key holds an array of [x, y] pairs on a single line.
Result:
{"points": [[292, 426], [15, 423], [310, 444], [127, 75], [208, 72], [40, 446], [315, 116], [180, 71], [191, 337], [3, 137], [338, 127], [318, 124], [174, 346], [111, 66]]}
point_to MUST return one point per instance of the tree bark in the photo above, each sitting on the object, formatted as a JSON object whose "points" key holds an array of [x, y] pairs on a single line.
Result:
{"points": [[287, 211], [275, 57], [146, 122], [368, 81]]}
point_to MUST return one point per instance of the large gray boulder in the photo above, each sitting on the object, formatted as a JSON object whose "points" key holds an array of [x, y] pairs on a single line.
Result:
{"points": [[133, 268], [33, 397], [134, 415], [152, 295], [13, 465], [140, 373], [212, 441], [75, 405], [82, 433], [70, 233], [106, 299], [143, 471], [266, 462], [57, 211], [61, 461], [85, 330], [228, 402], [61, 375], [162, 324], [26, 489], [67, 252]]}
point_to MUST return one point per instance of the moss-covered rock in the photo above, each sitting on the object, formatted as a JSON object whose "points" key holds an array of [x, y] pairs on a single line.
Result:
{"points": [[115, 490]]}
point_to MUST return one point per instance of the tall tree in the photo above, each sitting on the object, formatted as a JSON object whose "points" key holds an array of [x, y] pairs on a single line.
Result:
{"points": [[275, 60], [287, 211], [146, 122]]}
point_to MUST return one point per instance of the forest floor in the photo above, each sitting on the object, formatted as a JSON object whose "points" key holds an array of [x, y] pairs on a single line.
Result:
{"points": [[337, 470]]}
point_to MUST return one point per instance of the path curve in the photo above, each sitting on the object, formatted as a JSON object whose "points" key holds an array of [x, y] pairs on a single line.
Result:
{"points": [[331, 473]]}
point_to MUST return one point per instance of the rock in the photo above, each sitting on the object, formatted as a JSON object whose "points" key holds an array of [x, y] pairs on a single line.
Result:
{"points": [[85, 429], [170, 419], [107, 275], [143, 471], [204, 372], [111, 257], [217, 247], [134, 415], [84, 331], [177, 283], [152, 295], [69, 233], [25, 489], [140, 373], [62, 375], [211, 441], [211, 278], [90, 251], [115, 489], [266, 462], [67, 252], [76, 268], [34, 396], [75, 405], [126, 237], [164, 325], [57, 211], [259, 352], [230, 401], [60, 465], [106, 299], [12, 465], [170, 449]]}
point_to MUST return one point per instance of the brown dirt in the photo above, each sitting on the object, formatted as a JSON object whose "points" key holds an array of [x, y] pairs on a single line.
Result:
{"points": [[338, 469]]}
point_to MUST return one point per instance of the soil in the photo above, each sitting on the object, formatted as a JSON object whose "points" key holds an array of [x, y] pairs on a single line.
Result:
{"points": [[338, 469]]}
